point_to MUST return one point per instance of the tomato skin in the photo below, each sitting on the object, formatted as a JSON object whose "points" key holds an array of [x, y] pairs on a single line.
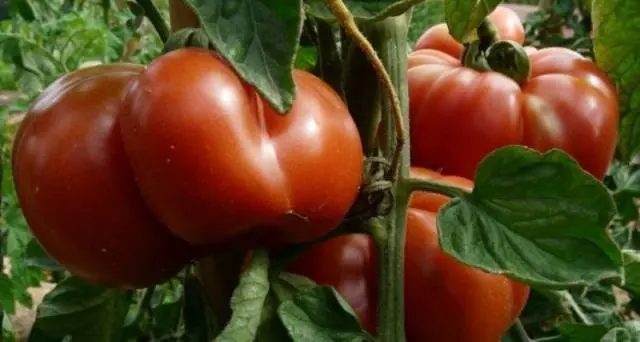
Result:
{"points": [[505, 20], [459, 115], [352, 272], [216, 163], [76, 188], [446, 301]]}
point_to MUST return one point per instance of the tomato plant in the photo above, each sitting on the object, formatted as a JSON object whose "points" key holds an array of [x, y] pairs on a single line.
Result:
{"points": [[544, 111], [320, 170], [445, 300]]}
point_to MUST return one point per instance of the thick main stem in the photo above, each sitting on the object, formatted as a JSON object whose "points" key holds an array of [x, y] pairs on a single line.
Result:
{"points": [[389, 39]]}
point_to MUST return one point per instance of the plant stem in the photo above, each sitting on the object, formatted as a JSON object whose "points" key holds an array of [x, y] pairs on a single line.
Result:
{"points": [[144, 303], [389, 37], [154, 16], [522, 332], [487, 34], [346, 20], [425, 185], [568, 299]]}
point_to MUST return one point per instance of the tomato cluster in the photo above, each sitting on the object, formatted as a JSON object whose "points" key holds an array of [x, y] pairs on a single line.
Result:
{"points": [[126, 173], [459, 115]]}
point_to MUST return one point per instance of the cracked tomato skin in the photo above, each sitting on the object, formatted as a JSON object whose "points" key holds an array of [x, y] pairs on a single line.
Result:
{"points": [[76, 188], [217, 164], [459, 115], [446, 301]]}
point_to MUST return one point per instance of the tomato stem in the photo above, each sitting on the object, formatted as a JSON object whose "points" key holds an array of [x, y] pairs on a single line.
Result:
{"points": [[429, 186], [487, 34], [509, 58], [489, 53], [522, 332], [389, 37], [154, 16], [568, 299], [348, 23], [144, 303]]}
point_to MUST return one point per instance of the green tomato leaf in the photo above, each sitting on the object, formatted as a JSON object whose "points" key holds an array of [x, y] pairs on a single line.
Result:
{"points": [[35, 256], [7, 298], [535, 217], [464, 16], [362, 10], [248, 301], [320, 314], [600, 303], [624, 332], [271, 328], [286, 285], [198, 316], [543, 306], [24, 9], [259, 38], [624, 180], [81, 310], [618, 53], [166, 319], [306, 58], [632, 271]]}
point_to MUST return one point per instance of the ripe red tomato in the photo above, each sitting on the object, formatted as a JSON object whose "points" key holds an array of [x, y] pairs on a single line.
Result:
{"points": [[459, 115], [76, 189], [445, 301], [216, 163]]}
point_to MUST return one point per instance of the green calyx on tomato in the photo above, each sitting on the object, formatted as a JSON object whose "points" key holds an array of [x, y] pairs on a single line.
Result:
{"points": [[445, 300], [127, 173], [459, 114], [488, 53]]}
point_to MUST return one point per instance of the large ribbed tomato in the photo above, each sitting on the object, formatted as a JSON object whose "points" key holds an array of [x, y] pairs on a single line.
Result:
{"points": [[459, 115], [215, 162], [445, 301], [76, 188]]}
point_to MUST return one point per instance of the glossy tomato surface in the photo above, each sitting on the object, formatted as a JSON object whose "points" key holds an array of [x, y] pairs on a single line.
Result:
{"points": [[459, 115], [445, 300], [76, 188], [215, 162]]}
